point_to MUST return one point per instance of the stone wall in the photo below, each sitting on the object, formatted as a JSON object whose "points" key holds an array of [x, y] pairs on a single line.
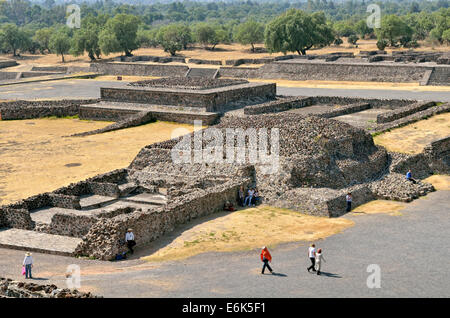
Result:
{"points": [[20, 109], [16, 289], [7, 63], [103, 240], [212, 100], [438, 154], [300, 70], [139, 69], [403, 111], [210, 62]]}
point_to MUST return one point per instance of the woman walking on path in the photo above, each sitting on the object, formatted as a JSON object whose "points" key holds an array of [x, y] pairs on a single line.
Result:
{"points": [[266, 258], [28, 263], [319, 259]]}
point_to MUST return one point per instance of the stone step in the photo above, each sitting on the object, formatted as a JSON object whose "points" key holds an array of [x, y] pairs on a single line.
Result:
{"points": [[146, 198], [94, 201], [202, 72], [32, 241], [126, 188], [44, 215]]}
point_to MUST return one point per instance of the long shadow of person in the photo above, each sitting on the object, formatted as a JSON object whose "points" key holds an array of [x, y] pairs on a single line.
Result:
{"points": [[330, 275], [279, 274]]}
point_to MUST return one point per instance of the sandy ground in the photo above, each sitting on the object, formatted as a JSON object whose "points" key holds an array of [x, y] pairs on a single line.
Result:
{"points": [[222, 52], [35, 158], [245, 230], [355, 85], [380, 207], [440, 182], [413, 138]]}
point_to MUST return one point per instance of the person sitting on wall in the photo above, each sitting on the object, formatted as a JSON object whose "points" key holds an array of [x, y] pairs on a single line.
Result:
{"points": [[256, 197], [249, 197], [228, 206], [241, 196], [129, 239], [409, 177]]}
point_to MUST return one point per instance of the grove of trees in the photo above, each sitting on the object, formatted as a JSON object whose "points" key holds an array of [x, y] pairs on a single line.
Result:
{"points": [[283, 26]]}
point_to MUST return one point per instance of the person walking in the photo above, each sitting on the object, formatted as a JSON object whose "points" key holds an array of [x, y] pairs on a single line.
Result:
{"points": [[129, 239], [349, 198], [319, 259], [312, 257], [28, 263], [266, 258]]}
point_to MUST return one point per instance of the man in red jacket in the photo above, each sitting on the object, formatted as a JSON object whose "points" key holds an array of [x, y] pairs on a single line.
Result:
{"points": [[266, 258]]}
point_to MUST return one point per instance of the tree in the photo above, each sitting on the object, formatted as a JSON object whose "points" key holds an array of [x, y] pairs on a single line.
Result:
{"points": [[446, 36], [86, 39], [120, 34], [59, 42], [338, 41], [352, 39], [206, 35], [250, 32], [42, 37], [170, 38], [297, 31], [147, 38], [381, 44], [393, 29], [13, 38]]}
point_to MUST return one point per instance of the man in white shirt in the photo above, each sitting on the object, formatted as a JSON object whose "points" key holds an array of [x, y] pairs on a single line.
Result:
{"points": [[348, 198], [312, 257], [129, 239], [249, 197]]}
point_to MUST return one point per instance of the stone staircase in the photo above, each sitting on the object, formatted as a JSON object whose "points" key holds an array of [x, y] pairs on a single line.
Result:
{"points": [[440, 76], [59, 230], [202, 72]]}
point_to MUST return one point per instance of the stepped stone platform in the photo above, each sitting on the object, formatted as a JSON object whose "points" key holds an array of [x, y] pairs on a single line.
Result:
{"points": [[117, 111], [215, 99], [38, 242]]}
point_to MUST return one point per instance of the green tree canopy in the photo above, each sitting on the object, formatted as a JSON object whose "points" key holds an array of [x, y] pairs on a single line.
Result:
{"points": [[59, 42], [13, 38], [173, 38], [393, 30], [120, 34], [250, 32], [298, 31]]}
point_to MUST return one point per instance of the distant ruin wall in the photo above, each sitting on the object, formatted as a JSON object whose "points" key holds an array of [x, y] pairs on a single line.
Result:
{"points": [[7, 63], [139, 69], [364, 72], [21, 109]]}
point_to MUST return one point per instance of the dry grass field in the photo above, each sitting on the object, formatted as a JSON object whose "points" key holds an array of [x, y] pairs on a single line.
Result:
{"points": [[411, 139], [245, 230], [222, 52], [36, 158]]}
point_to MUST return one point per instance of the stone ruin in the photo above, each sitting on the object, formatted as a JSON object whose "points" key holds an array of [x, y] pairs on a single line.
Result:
{"points": [[15, 289], [319, 158]]}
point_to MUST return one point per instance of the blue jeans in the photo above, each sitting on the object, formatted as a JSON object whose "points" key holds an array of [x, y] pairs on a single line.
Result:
{"points": [[249, 198], [28, 271]]}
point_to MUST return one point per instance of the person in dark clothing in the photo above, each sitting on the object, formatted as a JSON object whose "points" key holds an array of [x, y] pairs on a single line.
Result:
{"points": [[129, 239], [348, 198], [241, 196]]}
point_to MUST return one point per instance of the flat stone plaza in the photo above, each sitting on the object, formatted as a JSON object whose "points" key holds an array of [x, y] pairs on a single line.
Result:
{"points": [[316, 149]]}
